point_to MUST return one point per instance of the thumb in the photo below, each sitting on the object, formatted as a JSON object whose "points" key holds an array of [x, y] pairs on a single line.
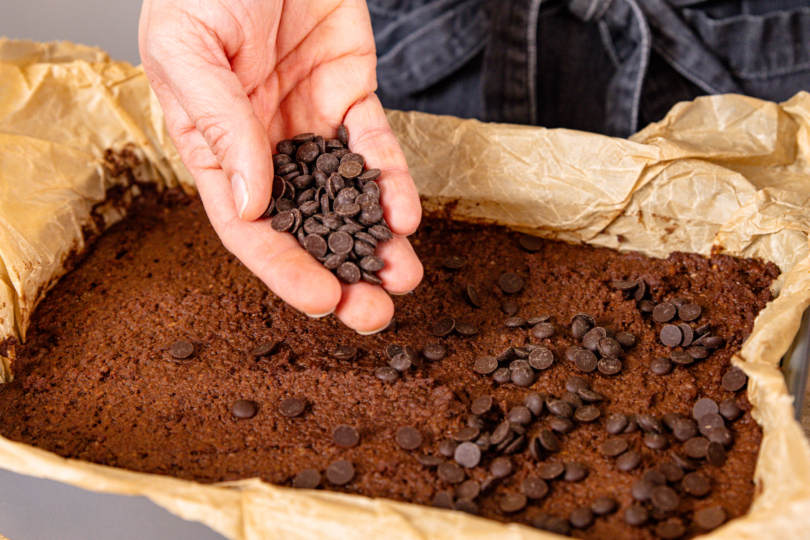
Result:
{"points": [[205, 87]]}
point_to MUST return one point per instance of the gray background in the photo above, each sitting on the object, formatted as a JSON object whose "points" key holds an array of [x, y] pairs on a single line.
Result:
{"points": [[109, 24]]}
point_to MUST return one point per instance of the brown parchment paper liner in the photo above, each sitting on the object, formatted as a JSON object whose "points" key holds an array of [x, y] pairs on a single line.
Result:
{"points": [[728, 173]]}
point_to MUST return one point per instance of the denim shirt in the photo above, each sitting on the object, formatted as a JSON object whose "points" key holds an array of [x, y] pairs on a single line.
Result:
{"points": [[607, 66]]}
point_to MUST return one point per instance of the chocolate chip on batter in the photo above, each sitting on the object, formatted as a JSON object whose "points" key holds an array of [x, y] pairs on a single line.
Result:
{"points": [[510, 283], [575, 471], [704, 406], [585, 360], [340, 472], [344, 352], [548, 440], [522, 376], [696, 484], [244, 408], [716, 454], [292, 407], [181, 349], [401, 362], [661, 366], [264, 349], [664, 312], [509, 306], [307, 479], [481, 405], [472, 296], [434, 352], [581, 517], [710, 518], [628, 461], [444, 327], [451, 473], [587, 413], [466, 329], [729, 409], [665, 499], [689, 312], [681, 358], [387, 374], [624, 285], [602, 506], [543, 330], [671, 335], [734, 380], [512, 502], [454, 262], [688, 334], [636, 515], [468, 490], [551, 470], [485, 365], [345, 436], [696, 447], [502, 375], [616, 424], [468, 455], [530, 243], [670, 530], [541, 358], [408, 438], [609, 366]]}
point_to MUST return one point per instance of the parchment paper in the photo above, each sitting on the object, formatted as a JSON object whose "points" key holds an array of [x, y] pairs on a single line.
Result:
{"points": [[728, 173]]}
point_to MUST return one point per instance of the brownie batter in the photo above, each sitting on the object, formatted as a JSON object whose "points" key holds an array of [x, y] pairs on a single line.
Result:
{"points": [[103, 377]]}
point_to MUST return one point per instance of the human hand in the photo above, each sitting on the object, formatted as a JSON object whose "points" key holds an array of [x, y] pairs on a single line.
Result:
{"points": [[236, 76]]}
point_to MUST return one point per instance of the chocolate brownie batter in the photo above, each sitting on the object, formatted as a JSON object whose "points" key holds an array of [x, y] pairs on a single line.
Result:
{"points": [[162, 353]]}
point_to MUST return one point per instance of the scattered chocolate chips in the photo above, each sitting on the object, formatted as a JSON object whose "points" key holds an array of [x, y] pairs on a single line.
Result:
{"points": [[181, 349], [587, 413], [408, 438], [509, 306], [481, 405], [345, 436], [472, 296], [340, 472], [501, 467], [665, 499], [585, 360], [244, 408]]}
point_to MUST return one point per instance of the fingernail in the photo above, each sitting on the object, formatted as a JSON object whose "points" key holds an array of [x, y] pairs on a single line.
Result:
{"points": [[240, 193], [375, 331], [320, 315]]}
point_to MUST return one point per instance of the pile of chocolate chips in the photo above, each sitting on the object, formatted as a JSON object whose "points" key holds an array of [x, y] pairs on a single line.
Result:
{"points": [[323, 195]]}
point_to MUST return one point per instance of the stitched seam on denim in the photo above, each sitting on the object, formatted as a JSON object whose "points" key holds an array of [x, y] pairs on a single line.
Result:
{"points": [[645, 57], [441, 5], [531, 65], [758, 75], [607, 43], [685, 72], [748, 18], [403, 76], [413, 37]]}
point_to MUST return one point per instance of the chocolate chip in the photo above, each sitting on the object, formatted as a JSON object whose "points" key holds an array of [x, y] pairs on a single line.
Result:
{"points": [[698, 353], [704, 406], [307, 479], [560, 408], [729, 410], [696, 484], [609, 366], [551, 470], [485, 364], [347, 272], [534, 488], [344, 352], [602, 506], [664, 312], [655, 441], [614, 447], [530, 243], [454, 262], [510, 283], [710, 421], [514, 322], [387, 374], [591, 340], [468, 455], [502, 375], [466, 329], [581, 518], [587, 413], [641, 490], [696, 447], [646, 306], [501, 467], [429, 461], [549, 441], [628, 461], [716, 454], [713, 342], [292, 407], [534, 402], [681, 358], [575, 471], [481, 405], [585, 360], [282, 221], [468, 490], [670, 530], [654, 477], [665, 499], [688, 334], [572, 399], [684, 462], [650, 423], [543, 330], [519, 415], [340, 472], [443, 499], [523, 377], [671, 335], [624, 285], [590, 396], [465, 434], [472, 296], [734, 380], [447, 448], [444, 327], [434, 352], [408, 438], [710, 518], [636, 515], [181, 349], [684, 429], [512, 502], [345, 436], [616, 423], [580, 327], [265, 349], [689, 312], [541, 358], [510, 307], [561, 425], [401, 362], [609, 347], [451, 473], [244, 408]]}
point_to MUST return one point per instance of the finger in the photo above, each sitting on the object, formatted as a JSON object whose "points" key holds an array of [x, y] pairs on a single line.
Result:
{"points": [[276, 258], [371, 136], [196, 71], [403, 271], [365, 308]]}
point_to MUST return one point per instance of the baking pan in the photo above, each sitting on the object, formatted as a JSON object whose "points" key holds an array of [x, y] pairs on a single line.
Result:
{"points": [[37, 509]]}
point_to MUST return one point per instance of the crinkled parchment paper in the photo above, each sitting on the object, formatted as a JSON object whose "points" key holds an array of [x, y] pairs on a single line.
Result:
{"points": [[729, 173]]}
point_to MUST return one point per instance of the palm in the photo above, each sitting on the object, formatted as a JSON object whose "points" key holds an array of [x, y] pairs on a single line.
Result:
{"points": [[235, 77]]}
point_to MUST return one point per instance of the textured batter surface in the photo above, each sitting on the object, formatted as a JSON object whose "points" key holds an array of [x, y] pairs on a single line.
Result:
{"points": [[96, 380]]}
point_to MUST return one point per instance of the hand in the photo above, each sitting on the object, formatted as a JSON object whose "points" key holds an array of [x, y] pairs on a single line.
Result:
{"points": [[236, 76]]}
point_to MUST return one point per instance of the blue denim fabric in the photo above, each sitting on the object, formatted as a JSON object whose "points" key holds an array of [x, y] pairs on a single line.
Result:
{"points": [[608, 66]]}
